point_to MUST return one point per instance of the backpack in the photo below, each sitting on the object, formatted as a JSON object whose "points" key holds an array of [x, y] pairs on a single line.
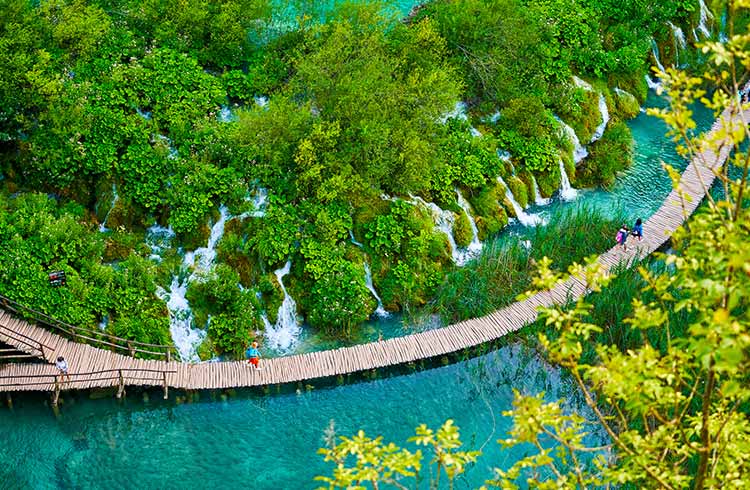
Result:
{"points": [[620, 236]]}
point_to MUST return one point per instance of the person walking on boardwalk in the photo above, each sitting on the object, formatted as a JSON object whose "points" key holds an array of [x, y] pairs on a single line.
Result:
{"points": [[622, 237], [638, 229], [62, 365], [253, 355]]}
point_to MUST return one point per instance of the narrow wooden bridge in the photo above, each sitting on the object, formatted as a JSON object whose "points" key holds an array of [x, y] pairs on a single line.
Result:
{"points": [[93, 367]]}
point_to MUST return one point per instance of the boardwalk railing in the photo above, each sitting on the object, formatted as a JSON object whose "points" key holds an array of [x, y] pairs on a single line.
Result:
{"points": [[95, 379], [25, 343], [100, 339]]}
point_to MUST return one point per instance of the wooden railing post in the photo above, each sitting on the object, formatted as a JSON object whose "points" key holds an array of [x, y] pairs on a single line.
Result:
{"points": [[166, 388], [56, 394], [131, 349], [169, 354], [41, 351], [121, 388]]}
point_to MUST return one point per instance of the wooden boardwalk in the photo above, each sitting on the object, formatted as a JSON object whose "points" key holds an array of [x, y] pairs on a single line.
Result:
{"points": [[106, 369]]}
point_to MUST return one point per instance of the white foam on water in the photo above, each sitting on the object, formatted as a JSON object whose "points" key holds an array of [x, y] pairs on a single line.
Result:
{"points": [[185, 337], [380, 311], [203, 258], [284, 334], [523, 217], [475, 247], [567, 192]]}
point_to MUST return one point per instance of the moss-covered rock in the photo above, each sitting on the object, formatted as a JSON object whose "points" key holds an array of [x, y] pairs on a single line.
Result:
{"points": [[519, 190], [549, 181], [626, 106], [271, 294], [120, 244], [611, 154], [462, 230], [584, 123]]}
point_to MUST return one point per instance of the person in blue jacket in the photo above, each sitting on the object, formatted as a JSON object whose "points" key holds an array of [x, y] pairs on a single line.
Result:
{"points": [[638, 229], [253, 355]]}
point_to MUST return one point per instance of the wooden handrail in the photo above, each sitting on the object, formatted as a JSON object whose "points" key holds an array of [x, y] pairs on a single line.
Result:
{"points": [[25, 340], [98, 337]]}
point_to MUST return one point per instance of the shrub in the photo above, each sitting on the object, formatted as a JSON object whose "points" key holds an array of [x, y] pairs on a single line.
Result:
{"points": [[462, 232], [611, 154]]}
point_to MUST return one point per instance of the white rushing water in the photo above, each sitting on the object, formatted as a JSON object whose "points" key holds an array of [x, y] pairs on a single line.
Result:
{"points": [[158, 239], [523, 217], [261, 101], [579, 151], [655, 53], [185, 337], [203, 258], [380, 311], [680, 43], [567, 192], [115, 197], [475, 247], [284, 334], [459, 112], [226, 114], [444, 221], [653, 84], [604, 112], [538, 199], [705, 14], [259, 200]]}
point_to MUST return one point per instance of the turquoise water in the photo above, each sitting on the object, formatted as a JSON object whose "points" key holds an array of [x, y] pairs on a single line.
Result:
{"points": [[269, 440], [260, 441]]}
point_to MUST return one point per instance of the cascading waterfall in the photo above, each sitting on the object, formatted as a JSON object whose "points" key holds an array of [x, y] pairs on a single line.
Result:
{"points": [[605, 119], [523, 217], [603, 110], [680, 43], [261, 101], [380, 311], [185, 337], [158, 238], [567, 192], [579, 151], [653, 84], [226, 114], [115, 197], [203, 258], [283, 335], [259, 200], [723, 27], [705, 14], [655, 52], [459, 112], [475, 247], [444, 221], [538, 199]]}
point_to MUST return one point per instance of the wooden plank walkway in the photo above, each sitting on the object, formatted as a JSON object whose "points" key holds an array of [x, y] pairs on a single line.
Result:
{"points": [[83, 358]]}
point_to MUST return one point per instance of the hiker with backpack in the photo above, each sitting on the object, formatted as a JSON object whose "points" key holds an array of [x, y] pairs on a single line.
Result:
{"points": [[622, 237], [638, 229]]}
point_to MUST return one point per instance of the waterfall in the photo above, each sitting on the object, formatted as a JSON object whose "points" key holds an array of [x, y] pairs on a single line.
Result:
{"points": [[567, 192], [605, 119], [459, 112], [158, 238], [475, 247], [104, 323], [259, 200], [172, 155], [579, 151], [523, 217], [680, 43], [380, 311], [261, 101], [206, 255], [602, 109], [185, 337], [653, 84], [655, 52], [443, 222], [538, 199], [705, 15], [354, 240], [144, 114], [283, 335], [723, 28], [226, 115], [115, 197]]}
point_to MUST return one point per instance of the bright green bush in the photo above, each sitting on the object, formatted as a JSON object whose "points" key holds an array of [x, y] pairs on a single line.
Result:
{"points": [[607, 156]]}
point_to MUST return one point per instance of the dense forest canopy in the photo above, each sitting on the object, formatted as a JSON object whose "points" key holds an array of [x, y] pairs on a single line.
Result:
{"points": [[135, 113]]}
